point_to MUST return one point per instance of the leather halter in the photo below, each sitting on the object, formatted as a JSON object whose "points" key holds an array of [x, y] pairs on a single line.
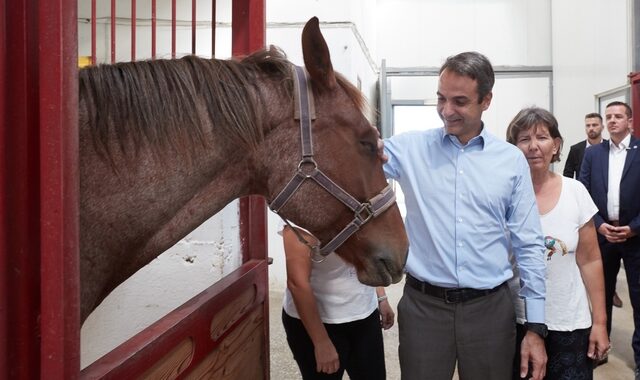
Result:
{"points": [[308, 170]]}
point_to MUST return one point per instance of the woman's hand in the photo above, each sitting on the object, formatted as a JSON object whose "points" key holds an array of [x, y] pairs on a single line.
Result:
{"points": [[327, 360], [599, 345]]}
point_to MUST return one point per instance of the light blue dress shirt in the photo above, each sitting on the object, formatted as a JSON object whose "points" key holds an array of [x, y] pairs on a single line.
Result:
{"points": [[467, 206]]}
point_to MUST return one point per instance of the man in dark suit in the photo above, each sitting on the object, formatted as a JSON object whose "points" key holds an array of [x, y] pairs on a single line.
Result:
{"points": [[593, 128], [611, 173]]}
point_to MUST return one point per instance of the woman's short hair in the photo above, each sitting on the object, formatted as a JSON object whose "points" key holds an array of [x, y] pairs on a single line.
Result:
{"points": [[531, 117]]}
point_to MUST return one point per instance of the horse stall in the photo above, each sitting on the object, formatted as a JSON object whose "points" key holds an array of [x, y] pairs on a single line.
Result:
{"points": [[220, 333]]}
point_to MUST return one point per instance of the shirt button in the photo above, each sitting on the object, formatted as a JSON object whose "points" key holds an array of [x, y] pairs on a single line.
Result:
{"points": [[460, 244], [462, 150], [459, 220], [461, 172]]}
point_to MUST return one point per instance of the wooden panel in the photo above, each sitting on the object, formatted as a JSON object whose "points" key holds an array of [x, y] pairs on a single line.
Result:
{"points": [[172, 364], [240, 356], [239, 295]]}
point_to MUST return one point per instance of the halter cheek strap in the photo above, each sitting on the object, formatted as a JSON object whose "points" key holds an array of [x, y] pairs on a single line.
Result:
{"points": [[308, 170]]}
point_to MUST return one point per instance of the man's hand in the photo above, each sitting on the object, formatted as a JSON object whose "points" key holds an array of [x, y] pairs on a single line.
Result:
{"points": [[381, 154], [532, 353], [615, 234]]}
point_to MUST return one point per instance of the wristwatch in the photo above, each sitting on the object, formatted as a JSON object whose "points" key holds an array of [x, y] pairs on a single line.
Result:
{"points": [[538, 328]]}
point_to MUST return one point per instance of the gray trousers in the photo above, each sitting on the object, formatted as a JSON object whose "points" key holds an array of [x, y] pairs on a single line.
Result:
{"points": [[479, 335]]}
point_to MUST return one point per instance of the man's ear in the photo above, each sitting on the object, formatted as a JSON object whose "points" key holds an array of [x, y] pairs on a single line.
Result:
{"points": [[486, 102]]}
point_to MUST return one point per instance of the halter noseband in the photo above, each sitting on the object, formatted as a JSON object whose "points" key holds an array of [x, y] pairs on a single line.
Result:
{"points": [[308, 169]]}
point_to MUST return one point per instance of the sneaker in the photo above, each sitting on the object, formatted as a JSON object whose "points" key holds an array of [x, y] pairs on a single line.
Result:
{"points": [[617, 302]]}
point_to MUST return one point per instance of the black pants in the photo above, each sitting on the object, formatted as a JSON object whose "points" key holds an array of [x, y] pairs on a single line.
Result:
{"points": [[359, 345], [630, 255], [566, 354]]}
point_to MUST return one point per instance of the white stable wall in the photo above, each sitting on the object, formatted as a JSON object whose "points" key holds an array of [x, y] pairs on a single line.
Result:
{"points": [[591, 49]]}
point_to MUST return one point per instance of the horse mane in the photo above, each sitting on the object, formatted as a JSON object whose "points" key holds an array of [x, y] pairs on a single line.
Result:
{"points": [[168, 102]]}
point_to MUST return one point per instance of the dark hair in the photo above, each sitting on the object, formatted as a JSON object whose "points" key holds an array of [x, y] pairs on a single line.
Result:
{"points": [[625, 105], [593, 115], [530, 117], [475, 66]]}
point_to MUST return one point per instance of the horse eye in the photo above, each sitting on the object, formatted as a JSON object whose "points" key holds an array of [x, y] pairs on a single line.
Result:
{"points": [[369, 146]]}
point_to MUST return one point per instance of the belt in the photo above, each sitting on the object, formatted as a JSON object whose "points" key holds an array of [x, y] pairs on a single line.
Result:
{"points": [[615, 223], [449, 295]]}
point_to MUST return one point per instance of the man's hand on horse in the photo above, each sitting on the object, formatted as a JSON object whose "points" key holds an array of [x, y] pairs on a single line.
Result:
{"points": [[380, 146]]}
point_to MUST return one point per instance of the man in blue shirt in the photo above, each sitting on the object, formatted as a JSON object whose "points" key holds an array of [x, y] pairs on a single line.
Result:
{"points": [[469, 202]]}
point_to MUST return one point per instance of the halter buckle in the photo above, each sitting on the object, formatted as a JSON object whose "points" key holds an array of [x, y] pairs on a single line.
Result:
{"points": [[364, 213]]}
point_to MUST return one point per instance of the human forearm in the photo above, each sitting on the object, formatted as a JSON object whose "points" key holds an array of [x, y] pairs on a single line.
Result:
{"points": [[307, 309], [593, 278]]}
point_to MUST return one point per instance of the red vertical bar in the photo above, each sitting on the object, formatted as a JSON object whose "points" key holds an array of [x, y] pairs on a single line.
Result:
{"points": [[634, 78], [247, 26], [173, 28], [19, 188], [93, 32], [153, 29], [57, 62], [193, 26], [213, 28], [4, 252], [113, 31], [247, 35], [133, 30]]}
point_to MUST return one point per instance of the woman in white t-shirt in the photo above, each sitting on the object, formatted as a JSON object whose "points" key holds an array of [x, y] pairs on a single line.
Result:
{"points": [[332, 321], [574, 278]]}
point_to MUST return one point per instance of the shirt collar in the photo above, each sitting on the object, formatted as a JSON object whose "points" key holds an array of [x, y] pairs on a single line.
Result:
{"points": [[624, 144], [480, 139]]}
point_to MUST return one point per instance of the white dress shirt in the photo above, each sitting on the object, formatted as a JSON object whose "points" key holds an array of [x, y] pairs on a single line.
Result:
{"points": [[617, 156]]}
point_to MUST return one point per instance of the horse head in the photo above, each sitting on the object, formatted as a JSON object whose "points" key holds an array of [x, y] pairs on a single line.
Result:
{"points": [[345, 155]]}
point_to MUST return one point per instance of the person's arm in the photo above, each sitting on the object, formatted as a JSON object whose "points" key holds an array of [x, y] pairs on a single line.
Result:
{"points": [[585, 178], [298, 266], [384, 307], [590, 264], [523, 223], [571, 166]]}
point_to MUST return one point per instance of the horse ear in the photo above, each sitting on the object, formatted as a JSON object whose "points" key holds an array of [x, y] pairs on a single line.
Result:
{"points": [[316, 55]]}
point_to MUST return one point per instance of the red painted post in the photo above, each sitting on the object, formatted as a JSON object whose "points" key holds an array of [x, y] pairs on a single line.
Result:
{"points": [[193, 26], [248, 26], [93, 32], [153, 29], [38, 191], [4, 252], [634, 78], [58, 190], [113, 31], [213, 28], [173, 28], [133, 30]]}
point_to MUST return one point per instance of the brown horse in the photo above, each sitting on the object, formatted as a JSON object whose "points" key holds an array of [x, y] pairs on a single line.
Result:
{"points": [[166, 144]]}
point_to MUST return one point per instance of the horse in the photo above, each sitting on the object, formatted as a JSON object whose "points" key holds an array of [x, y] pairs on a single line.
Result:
{"points": [[166, 144]]}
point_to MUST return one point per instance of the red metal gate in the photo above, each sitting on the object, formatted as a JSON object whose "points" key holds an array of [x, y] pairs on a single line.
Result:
{"points": [[209, 336]]}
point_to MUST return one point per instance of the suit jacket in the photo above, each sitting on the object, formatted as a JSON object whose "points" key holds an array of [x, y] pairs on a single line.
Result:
{"points": [[594, 174], [574, 159]]}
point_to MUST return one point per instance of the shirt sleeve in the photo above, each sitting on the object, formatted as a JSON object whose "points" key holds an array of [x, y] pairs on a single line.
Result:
{"points": [[523, 223], [392, 148]]}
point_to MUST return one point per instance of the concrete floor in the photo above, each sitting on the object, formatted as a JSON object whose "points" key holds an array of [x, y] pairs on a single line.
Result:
{"points": [[620, 366]]}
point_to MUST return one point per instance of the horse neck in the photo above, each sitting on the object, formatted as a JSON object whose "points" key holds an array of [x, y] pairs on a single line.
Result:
{"points": [[132, 214]]}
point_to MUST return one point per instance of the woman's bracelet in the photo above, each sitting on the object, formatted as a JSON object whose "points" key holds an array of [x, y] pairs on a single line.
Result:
{"points": [[382, 298]]}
